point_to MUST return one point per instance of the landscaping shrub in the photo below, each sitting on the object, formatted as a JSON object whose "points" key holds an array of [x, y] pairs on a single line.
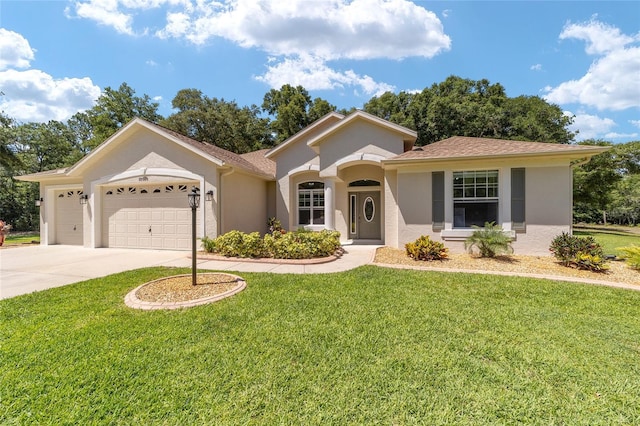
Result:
{"points": [[631, 256], [302, 244], [209, 244], [275, 225], [425, 249], [238, 244], [279, 244], [578, 252], [490, 240]]}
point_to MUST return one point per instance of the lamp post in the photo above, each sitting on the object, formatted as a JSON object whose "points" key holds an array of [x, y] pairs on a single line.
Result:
{"points": [[194, 203]]}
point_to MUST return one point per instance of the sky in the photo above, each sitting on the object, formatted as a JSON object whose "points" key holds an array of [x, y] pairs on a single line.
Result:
{"points": [[57, 56]]}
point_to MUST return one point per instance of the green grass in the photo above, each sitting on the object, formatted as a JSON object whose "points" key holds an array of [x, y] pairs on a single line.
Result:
{"points": [[21, 239], [610, 238], [369, 346]]}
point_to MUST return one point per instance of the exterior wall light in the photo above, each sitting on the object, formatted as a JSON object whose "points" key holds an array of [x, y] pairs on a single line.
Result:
{"points": [[208, 196], [84, 198], [39, 202]]}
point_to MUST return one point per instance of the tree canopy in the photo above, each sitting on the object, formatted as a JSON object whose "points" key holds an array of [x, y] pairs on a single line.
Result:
{"points": [[113, 109], [293, 110], [219, 122], [464, 107]]}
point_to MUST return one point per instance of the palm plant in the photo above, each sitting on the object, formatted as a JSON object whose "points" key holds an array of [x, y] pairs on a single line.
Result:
{"points": [[490, 240]]}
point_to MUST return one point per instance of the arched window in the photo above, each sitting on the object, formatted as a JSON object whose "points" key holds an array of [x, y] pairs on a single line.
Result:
{"points": [[311, 203]]}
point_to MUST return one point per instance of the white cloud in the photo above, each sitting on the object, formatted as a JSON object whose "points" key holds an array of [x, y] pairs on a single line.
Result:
{"points": [[331, 29], [600, 37], [536, 67], [614, 135], [151, 63], [15, 51], [612, 81], [104, 12], [313, 74], [635, 123], [299, 36], [33, 95], [590, 126]]}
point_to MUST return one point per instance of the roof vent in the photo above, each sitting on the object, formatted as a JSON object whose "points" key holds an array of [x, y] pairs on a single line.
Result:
{"points": [[417, 148]]}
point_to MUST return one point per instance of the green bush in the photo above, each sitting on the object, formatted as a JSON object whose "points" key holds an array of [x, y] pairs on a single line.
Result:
{"points": [[490, 240], [209, 244], [578, 252], [302, 244], [425, 249], [631, 256], [565, 247], [239, 244], [280, 245]]}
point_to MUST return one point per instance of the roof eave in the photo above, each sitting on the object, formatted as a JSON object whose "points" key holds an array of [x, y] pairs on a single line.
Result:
{"points": [[286, 143], [571, 155], [408, 134]]}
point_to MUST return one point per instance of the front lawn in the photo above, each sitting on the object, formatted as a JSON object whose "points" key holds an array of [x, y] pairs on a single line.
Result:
{"points": [[22, 238], [369, 346], [610, 237]]}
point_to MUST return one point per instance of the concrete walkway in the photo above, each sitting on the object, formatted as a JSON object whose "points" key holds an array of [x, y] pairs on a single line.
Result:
{"points": [[27, 269]]}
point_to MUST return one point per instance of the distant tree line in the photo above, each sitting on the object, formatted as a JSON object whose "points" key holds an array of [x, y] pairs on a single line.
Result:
{"points": [[453, 107]]}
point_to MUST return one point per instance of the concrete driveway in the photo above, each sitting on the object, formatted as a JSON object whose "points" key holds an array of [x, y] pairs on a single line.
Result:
{"points": [[27, 269]]}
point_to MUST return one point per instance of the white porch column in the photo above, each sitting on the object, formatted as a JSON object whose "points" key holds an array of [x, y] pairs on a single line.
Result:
{"points": [[329, 203]]}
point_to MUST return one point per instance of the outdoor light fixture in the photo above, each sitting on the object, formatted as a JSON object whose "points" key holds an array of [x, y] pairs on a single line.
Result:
{"points": [[194, 198], [84, 198], [39, 202], [194, 202], [208, 196]]}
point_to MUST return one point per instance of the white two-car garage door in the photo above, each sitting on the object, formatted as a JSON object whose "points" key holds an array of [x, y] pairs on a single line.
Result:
{"points": [[147, 216]]}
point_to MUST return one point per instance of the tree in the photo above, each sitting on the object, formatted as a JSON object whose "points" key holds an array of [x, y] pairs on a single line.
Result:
{"points": [[219, 122], [113, 109], [594, 182], [8, 158], [531, 118], [464, 107], [293, 110], [37, 147]]}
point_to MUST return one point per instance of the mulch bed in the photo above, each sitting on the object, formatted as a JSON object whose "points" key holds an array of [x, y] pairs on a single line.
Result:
{"points": [[618, 272], [179, 288]]}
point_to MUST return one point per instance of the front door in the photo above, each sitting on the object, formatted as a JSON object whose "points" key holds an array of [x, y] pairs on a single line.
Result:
{"points": [[365, 214]]}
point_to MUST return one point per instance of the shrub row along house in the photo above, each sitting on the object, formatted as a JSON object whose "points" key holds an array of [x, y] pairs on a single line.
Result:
{"points": [[357, 174]]}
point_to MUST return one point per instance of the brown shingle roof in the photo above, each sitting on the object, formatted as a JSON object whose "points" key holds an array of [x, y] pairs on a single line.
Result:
{"points": [[468, 147], [228, 157], [258, 159]]}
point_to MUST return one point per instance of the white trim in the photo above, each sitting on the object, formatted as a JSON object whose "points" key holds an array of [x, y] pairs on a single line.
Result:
{"points": [[304, 168], [408, 133], [303, 132], [126, 129], [359, 157]]}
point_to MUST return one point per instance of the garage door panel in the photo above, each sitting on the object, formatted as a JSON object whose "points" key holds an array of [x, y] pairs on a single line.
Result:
{"points": [[147, 217], [68, 217]]}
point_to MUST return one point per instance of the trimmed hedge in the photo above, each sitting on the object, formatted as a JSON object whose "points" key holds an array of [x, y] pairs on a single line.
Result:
{"points": [[301, 244]]}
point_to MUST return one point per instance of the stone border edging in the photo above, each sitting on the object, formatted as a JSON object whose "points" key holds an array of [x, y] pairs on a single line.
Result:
{"points": [[564, 278], [132, 301], [312, 261]]}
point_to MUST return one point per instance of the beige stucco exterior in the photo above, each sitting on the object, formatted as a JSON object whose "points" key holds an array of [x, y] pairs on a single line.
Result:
{"points": [[366, 168]]}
